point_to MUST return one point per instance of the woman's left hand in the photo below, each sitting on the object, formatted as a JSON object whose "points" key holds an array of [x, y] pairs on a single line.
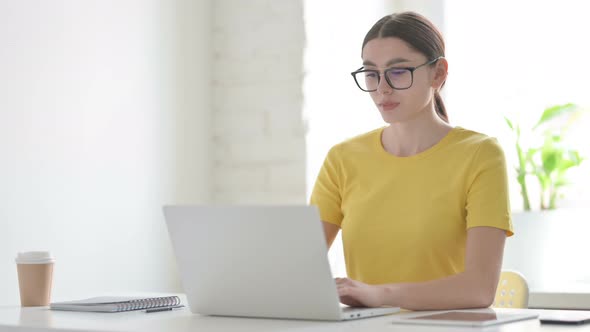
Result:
{"points": [[357, 294]]}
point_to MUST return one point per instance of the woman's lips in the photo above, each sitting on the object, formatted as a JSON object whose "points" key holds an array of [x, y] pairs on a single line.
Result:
{"points": [[388, 106]]}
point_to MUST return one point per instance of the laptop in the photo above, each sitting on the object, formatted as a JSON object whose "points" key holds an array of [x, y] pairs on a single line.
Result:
{"points": [[257, 261]]}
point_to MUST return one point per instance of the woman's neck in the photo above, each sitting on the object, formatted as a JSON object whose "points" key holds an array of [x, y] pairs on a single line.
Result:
{"points": [[408, 138]]}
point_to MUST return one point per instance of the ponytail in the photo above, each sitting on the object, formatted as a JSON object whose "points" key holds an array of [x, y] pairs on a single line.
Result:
{"points": [[440, 108]]}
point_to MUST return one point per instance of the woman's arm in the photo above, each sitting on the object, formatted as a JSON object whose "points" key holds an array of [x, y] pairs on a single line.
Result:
{"points": [[330, 231], [473, 288]]}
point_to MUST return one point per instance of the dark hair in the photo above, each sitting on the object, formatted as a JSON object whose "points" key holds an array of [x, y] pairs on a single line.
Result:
{"points": [[420, 34]]}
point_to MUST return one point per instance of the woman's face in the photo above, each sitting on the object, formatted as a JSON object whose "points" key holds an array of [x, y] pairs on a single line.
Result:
{"points": [[394, 105]]}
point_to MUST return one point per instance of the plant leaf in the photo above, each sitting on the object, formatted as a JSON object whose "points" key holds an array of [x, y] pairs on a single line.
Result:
{"points": [[560, 183], [509, 123], [565, 164], [555, 111], [550, 159], [574, 155]]}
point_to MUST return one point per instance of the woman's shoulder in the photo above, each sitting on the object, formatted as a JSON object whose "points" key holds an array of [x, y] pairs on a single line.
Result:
{"points": [[477, 142], [363, 142], [474, 138]]}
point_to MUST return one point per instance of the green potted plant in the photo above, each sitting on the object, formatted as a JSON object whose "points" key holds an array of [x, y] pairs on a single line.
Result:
{"points": [[550, 160]]}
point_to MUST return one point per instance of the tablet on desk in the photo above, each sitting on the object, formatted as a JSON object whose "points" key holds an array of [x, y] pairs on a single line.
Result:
{"points": [[565, 317], [465, 318]]}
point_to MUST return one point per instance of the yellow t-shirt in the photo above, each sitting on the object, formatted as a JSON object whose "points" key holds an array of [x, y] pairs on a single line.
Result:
{"points": [[405, 219]]}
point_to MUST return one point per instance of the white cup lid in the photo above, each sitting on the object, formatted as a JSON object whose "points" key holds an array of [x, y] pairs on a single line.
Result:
{"points": [[34, 257]]}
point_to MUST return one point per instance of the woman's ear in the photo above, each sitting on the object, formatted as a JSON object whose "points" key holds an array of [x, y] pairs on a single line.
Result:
{"points": [[440, 73]]}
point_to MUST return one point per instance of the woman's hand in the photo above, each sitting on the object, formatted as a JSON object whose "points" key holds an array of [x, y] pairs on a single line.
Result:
{"points": [[357, 294]]}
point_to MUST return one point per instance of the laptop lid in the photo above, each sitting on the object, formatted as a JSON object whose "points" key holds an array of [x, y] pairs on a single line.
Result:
{"points": [[253, 261]]}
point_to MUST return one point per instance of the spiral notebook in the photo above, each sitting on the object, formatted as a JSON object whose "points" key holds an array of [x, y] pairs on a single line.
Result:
{"points": [[117, 304]]}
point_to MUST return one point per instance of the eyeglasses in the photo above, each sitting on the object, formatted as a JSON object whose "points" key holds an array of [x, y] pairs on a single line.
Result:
{"points": [[398, 78]]}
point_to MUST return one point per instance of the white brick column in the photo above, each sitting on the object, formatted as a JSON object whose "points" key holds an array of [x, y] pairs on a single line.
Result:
{"points": [[258, 136]]}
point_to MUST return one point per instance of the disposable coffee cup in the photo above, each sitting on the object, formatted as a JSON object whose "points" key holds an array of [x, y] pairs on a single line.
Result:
{"points": [[35, 275]]}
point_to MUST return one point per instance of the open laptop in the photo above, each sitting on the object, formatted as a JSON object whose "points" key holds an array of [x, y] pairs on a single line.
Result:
{"points": [[253, 261]]}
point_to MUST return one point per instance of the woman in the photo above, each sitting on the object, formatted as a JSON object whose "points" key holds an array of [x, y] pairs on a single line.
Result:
{"points": [[423, 206]]}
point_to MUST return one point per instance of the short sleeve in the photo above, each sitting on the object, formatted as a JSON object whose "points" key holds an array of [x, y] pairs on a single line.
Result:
{"points": [[326, 194], [488, 202]]}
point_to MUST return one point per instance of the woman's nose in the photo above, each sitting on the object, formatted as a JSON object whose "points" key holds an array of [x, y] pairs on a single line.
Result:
{"points": [[384, 87]]}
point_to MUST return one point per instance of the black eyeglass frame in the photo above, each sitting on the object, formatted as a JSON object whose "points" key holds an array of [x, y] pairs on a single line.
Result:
{"points": [[410, 69]]}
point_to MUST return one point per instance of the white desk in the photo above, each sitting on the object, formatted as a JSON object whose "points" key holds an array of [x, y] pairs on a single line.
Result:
{"points": [[13, 318]]}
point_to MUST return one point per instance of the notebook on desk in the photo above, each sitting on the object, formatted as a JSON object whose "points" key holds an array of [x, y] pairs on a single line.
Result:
{"points": [[254, 261], [116, 304]]}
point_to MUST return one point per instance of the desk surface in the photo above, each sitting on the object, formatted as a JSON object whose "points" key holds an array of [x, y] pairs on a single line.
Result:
{"points": [[38, 319]]}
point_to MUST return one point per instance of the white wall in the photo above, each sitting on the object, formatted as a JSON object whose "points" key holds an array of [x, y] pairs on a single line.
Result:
{"points": [[103, 118], [257, 73], [518, 69]]}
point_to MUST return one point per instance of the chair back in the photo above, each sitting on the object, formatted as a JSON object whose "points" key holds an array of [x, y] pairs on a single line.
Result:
{"points": [[512, 291]]}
